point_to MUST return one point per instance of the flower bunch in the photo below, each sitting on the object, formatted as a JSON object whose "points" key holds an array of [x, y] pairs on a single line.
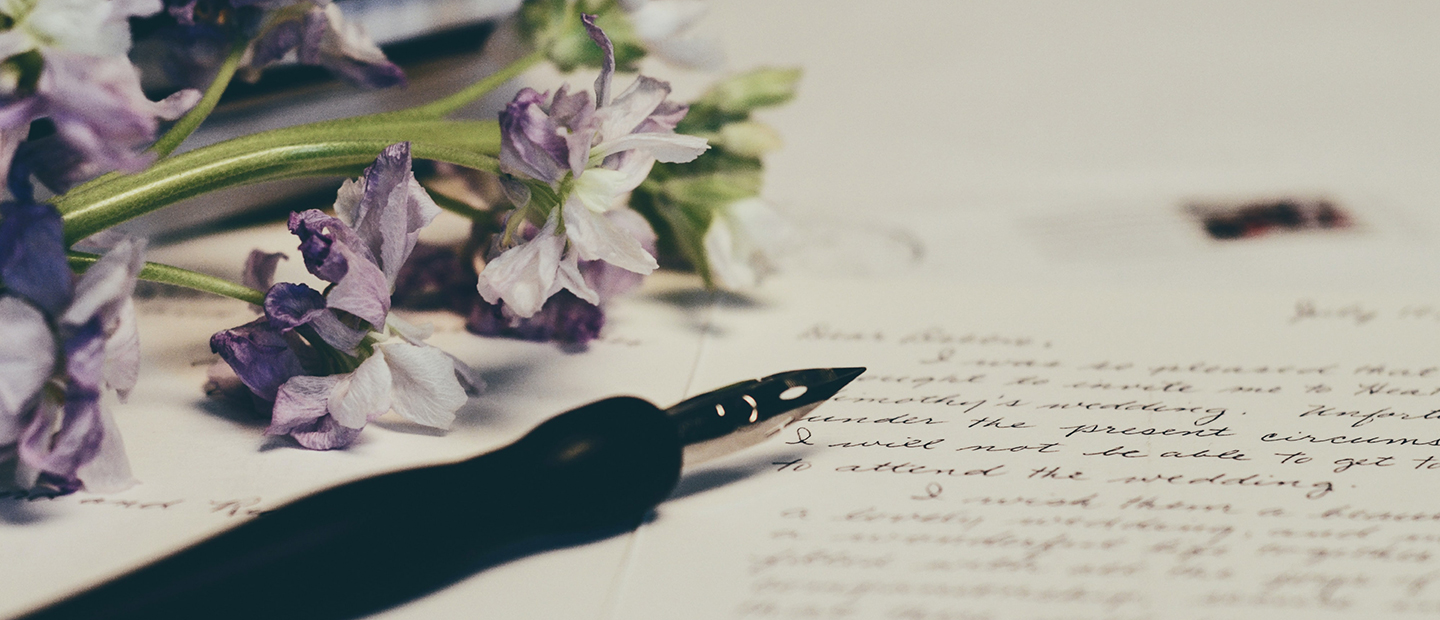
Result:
{"points": [[559, 239], [568, 163], [326, 364]]}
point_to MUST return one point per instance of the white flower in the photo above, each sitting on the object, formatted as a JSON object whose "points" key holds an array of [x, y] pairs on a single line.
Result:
{"points": [[742, 243]]}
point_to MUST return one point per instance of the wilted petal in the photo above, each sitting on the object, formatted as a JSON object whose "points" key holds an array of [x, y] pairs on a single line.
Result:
{"points": [[259, 354], [109, 470], [319, 234], [301, 413], [531, 144], [347, 51], [300, 402], [27, 359], [61, 440], [259, 270], [32, 255], [412, 333], [289, 305], [362, 395], [363, 291], [594, 238], [122, 351], [106, 286], [632, 107], [607, 64], [393, 209], [608, 280], [526, 275], [423, 383]]}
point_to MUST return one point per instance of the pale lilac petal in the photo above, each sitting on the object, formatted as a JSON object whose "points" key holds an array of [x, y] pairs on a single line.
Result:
{"points": [[469, 379], [393, 209], [363, 291], [109, 470], [423, 383], [632, 107], [106, 286], [325, 434], [601, 188], [531, 144], [362, 395], [522, 276], [742, 243], [594, 238], [61, 440], [301, 412], [122, 351], [27, 359], [607, 64], [32, 255], [347, 200], [300, 402], [608, 280], [671, 148], [337, 334]]}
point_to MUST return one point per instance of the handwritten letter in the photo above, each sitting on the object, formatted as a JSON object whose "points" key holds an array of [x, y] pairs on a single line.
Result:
{"points": [[1057, 454]]}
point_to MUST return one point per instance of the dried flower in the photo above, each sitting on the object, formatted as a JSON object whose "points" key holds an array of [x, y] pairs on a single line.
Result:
{"points": [[63, 343], [329, 363], [570, 163]]}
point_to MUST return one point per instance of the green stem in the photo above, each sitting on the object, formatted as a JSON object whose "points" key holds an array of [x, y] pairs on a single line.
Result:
{"points": [[447, 105], [476, 136], [192, 119], [167, 274], [177, 179]]}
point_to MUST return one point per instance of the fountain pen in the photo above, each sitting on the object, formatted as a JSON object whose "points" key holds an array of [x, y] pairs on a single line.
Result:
{"points": [[368, 545]]}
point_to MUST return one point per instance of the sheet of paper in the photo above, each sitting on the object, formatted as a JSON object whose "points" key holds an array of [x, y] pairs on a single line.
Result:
{"points": [[1058, 453], [204, 465]]}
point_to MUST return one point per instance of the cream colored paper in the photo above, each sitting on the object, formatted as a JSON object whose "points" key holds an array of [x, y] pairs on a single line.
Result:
{"points": [[1066, 454]]}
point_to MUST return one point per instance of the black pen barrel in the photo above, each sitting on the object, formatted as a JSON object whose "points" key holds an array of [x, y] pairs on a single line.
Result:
{"points": [[367, 545]]}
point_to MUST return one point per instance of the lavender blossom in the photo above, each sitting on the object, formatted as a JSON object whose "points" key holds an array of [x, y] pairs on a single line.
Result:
{"points": [[315, 32], [63, 343], [570, 163], [327, 364], [66, 61]]}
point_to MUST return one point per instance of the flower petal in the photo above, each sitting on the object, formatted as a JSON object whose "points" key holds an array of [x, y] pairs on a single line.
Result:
{"points": [[671, 148], [423, 383], [104, 288], [607, 63], [300, 402], [632, 107], [122, 351], [393, 209], [27, 359], [109, 470], [362, 395], [32, 255], [594, 238], [259, 354]]}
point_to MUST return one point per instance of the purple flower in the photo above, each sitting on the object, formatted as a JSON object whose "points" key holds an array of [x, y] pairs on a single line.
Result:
{"points": [[63, 343], [329, 363], [316, 33], [586, 156], [76, 74]]}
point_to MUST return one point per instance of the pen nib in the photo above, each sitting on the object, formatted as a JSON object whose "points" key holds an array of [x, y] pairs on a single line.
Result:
{"points": [[737, 416]]}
